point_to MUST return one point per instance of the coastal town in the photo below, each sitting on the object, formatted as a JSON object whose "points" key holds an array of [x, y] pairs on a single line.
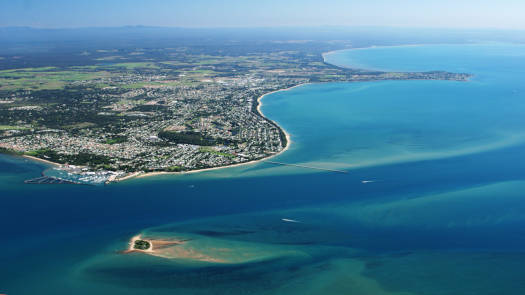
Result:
{"points": [[176, 112]]}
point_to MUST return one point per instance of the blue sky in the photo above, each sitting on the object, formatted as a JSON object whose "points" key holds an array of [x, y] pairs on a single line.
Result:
{"points": [[261, 13]]}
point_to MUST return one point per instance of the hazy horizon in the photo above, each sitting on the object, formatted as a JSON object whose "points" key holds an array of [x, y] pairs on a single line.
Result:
{"points": [[467, 14], [291, 27]]}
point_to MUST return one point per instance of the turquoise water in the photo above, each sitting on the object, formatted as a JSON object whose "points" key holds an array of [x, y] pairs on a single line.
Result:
{"points": [[441, 210]]}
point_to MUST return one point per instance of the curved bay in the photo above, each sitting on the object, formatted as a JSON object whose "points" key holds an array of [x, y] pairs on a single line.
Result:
{"points": [[440, 209]]}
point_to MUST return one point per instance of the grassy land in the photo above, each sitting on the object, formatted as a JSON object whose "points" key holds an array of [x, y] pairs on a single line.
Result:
{"points": [[153, 84], [116, 140], [214, 152], [136, 65], [49, 78], [44, 78], [8, 127]]}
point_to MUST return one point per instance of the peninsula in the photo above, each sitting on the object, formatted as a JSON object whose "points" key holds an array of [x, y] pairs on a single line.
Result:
{"points": [[142, 111]]}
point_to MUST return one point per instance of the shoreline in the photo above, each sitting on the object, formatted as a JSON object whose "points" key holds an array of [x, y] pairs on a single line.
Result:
{"points": [[325, 54], [130, 176], [41, 160], [258, 109], [259, 105], [163, 248], [131, 246], [141, 174], [378, 46]]}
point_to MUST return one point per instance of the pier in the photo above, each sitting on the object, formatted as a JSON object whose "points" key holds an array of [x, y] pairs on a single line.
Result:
{"points": [[49, 180], [306, 167]]}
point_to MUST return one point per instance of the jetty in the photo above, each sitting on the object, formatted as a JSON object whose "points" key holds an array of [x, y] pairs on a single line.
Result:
{"points": [[306, 167], [50, 180]]}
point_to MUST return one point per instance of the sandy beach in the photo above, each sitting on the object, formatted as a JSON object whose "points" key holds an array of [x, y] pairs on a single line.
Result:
{"points": [[130, 176], [325, 54], [169, 249], [259, 105], [156, 245], [149, 174], [41, 160], [131, 247]]}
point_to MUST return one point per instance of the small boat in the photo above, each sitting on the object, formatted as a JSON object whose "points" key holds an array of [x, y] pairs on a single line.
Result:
{"points": [[290, 220]]}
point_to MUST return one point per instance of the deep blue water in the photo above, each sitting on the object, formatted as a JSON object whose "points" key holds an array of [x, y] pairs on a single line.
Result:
{"points": [[443, 213]]}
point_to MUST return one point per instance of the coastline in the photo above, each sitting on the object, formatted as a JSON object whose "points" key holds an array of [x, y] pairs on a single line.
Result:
{"points": [[287, 137], [374, 46], [140, 174], [130, 176], [41, 160], [357, 68], [325, 54], [259, 105]]}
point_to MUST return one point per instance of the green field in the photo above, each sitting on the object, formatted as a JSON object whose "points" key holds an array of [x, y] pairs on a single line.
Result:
{"points": [[135, 65], [8, 127], [214, 152], [44, 78]]}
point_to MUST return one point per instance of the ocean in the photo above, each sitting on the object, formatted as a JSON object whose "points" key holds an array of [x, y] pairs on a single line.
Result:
{"points": [[432, 201]]}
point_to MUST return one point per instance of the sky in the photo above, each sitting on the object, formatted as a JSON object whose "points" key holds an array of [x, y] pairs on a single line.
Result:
{"points": [[508, 14]]}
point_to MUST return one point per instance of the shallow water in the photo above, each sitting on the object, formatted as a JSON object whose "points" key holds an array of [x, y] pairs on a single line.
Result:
{"points": [[441, 211]]}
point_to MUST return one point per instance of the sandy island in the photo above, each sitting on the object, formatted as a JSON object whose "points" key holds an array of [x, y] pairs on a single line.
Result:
{"points": [[155, 245], [170, 249]]}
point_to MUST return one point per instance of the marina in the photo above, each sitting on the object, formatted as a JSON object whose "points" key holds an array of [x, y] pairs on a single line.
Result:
{"points": [[49, 180], [70, 174]]}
